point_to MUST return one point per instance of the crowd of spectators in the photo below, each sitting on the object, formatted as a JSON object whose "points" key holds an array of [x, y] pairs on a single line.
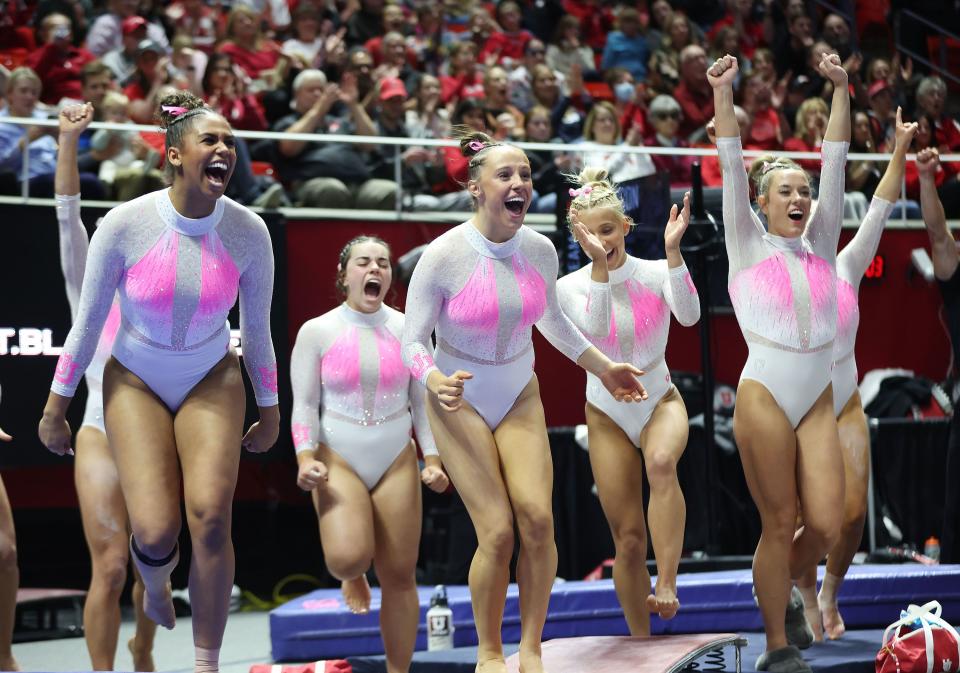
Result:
{"points": [[601, 73]]}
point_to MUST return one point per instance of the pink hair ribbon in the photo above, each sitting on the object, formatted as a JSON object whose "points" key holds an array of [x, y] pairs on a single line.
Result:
{"points": [[175, 110], [583, 191], [476, 145]]}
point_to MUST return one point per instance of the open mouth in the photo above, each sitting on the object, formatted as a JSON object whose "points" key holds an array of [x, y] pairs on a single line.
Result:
{"points": [[795, 214], [216, 173], [371, 289], [515, 204], [611, 254]]}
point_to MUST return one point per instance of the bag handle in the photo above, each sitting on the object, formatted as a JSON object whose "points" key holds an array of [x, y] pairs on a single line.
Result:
{"points": [[927, 614]]}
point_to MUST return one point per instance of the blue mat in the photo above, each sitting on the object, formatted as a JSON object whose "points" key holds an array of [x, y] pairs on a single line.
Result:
{"points": [[318, 625]]}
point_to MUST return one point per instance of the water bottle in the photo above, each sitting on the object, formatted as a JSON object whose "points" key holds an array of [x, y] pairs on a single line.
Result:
{"points": [[931, 548], [439, 621]]}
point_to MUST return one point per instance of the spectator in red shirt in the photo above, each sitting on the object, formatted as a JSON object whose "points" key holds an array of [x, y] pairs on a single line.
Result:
{"points": [[223, 90], [152, 73], [808, 131], [665, 116], [463, 78], [694, 93], [766, 126], [58, 63], [947, 175], [595, 19], [196, 19], [738, 16], [507, 43], [393, 22], [259, 57], [931, 97]]}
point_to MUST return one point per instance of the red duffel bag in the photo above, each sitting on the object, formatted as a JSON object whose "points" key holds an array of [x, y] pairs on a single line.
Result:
{"points": [[325, 666], [920, 642]]}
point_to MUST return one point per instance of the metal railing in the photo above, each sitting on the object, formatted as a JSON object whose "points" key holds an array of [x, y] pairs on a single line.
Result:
{"points": [[940, 69], [421, 216]]}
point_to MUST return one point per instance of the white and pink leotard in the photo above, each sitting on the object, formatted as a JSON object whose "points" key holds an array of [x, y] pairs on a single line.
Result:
{"points": [[348, 365], [73, 260], [784, 290], [852, 263], [483, 298], [628, 319], [177, 279]]}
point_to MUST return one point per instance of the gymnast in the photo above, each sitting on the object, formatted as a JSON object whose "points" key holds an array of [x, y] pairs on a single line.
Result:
{"points": [[482, 286], [174, 401], [852, 263], [9, 576], [623, 305], [783, 287], [102, 510], [357, 459]]}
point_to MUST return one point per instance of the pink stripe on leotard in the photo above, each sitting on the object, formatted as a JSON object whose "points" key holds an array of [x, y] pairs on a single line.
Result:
{"points": [[476, 304], [150, 283], [533, 293], [821, 279], [846, 309], [301, 434], [689, 282], [421, 363], [341, 365], [109, 334], [393, 375], [648, 313], [219, 280], [766, 286]]}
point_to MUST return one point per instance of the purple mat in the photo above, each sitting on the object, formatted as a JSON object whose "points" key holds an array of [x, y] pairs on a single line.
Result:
{"points": [[318, 626]]}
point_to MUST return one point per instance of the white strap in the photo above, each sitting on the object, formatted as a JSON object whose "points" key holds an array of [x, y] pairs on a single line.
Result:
{"points": [[927, 614]]}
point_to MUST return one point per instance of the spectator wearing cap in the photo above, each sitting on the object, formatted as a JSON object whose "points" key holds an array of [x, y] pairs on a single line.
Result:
{"points": [[151, 73], [666, 119], [106, 33], [423, 173], [694, 93], [931, 99], [123, 61], [259, 57], [882, 111], [58, 62], [324, 174], [627, 47]]}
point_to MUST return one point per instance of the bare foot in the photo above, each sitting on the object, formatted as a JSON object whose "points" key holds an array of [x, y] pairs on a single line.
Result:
{"points": [[493, 666], [813, 617], [530, 662], [832, 621], [159, 608], [142, 657], [8, 663], [664, 602], [356, 594]]}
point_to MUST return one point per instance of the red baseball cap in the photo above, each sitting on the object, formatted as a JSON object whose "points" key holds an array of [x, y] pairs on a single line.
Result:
{"points": [[390, 87], [877, 87], [132, 24]]}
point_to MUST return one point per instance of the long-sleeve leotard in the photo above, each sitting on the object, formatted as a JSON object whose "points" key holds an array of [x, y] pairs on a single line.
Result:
{"points": [[347, 365], [628, 318], [177, 280], [783, 290], [483, 299], [852, 263]]}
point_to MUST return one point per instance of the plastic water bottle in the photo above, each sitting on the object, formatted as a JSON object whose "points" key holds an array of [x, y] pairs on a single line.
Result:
{"points": [[439, 621], [931, 548]]}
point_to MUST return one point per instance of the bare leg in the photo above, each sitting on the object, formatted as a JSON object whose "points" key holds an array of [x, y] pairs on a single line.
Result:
{"points": [[140, 434], [767, 445], [397, 512], [9, 581], [209, 426], [470, 457], [855, 441], [618, 471], [345, 519], [664, 440], [524, 451], [105, 528], [141, 645]]}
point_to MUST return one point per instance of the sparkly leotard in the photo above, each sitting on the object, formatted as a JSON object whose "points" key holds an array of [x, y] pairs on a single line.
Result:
{"points": [[852, 263], [628, 319], [177, 279], [483, 298], [348, 364], [784, 290], [73, 259]]}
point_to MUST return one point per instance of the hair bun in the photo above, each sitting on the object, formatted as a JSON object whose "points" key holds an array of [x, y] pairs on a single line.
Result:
{"points": [[472, 142], [594, 176], [177, 104]]}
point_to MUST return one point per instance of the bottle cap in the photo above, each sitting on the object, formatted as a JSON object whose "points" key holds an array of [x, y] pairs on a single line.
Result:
{"points": [[439, 596]]}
